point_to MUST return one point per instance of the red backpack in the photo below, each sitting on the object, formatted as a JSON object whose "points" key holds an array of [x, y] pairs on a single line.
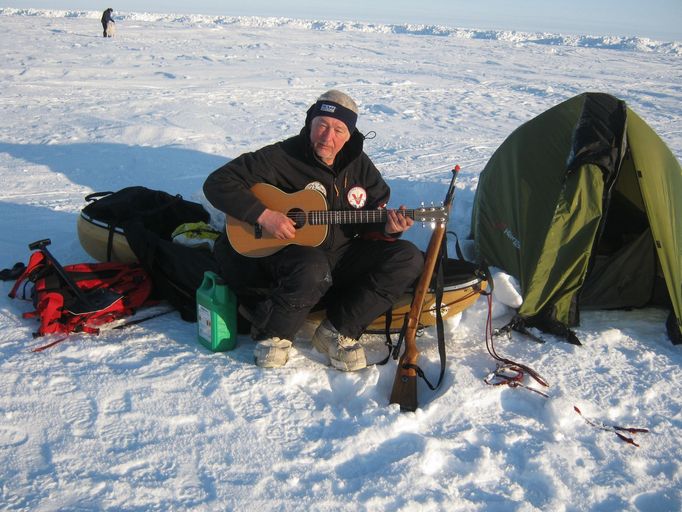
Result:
{"points": [[124, 287]]}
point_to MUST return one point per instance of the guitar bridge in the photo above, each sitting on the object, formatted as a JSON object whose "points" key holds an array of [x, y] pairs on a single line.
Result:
{"points": [[258, 231]]}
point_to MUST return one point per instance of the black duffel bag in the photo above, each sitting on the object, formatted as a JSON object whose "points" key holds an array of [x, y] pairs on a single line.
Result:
{"points": [[136, 224]]}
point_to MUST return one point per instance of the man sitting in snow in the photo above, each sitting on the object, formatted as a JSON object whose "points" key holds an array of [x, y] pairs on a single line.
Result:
{"points": [[359, 269]]}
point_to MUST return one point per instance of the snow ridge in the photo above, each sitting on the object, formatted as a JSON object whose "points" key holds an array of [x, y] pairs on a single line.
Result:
{"points": [[630, 43]]}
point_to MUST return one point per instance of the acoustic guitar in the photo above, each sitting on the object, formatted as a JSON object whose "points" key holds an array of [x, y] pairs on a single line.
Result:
{"points": [[308, 209]]}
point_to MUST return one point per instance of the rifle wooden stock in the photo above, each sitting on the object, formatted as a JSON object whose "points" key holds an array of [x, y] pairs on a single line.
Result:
{"points": [[404, 390]]}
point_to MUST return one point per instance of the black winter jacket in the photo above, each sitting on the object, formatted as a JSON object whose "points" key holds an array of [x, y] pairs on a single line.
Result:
{"points": [[107, 17], [291, 165]]}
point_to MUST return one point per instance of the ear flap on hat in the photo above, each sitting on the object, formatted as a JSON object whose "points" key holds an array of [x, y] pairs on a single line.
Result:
{"points": [[309, 116]]}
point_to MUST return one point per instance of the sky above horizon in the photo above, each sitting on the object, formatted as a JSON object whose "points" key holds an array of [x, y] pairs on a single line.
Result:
{"points": [[656, 19]]}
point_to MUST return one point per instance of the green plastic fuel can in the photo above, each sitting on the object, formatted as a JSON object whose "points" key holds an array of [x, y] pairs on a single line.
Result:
{"points": [[216, 314]]}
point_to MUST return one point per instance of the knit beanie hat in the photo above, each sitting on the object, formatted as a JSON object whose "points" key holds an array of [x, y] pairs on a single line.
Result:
{"points": [[335, 104]]}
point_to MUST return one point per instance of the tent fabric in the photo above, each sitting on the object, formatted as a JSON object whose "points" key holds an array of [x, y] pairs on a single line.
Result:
{"points": [[623, 279], [660, 180], [577, 186]]}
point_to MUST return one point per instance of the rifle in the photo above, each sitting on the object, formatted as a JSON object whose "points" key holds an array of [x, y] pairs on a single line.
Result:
{"points": [[405, 384]]}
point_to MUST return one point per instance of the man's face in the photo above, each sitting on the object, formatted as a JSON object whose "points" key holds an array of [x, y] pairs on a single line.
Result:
{"points": [[328, 135]]}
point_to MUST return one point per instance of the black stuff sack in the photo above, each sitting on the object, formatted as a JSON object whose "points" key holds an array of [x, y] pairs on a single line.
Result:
{"points": [[102, 222], [136, 224]]}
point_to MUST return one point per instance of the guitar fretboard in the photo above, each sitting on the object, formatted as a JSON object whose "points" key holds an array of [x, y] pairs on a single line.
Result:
{"points": [[347, 217], [326, 217]]}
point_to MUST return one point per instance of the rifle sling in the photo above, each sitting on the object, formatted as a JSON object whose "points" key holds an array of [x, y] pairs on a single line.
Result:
{"points": [[439, 285]]}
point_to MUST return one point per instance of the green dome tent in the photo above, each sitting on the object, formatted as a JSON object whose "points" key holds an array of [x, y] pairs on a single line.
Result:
{"points": [[583, 205]]}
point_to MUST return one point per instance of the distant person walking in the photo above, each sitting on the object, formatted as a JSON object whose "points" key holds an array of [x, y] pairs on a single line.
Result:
{"points": [[108, 23]]}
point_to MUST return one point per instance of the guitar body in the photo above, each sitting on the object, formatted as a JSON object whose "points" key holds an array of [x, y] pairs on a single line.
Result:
{"points": [[249, 240]]}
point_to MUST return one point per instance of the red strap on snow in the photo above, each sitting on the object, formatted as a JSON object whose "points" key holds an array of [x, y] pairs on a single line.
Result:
{"points": [[613, 428], [509, 372], [511, 375], [40, 349]]}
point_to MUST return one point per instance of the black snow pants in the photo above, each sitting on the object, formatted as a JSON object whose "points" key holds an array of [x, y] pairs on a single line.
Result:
{"points": [[355, 285]]}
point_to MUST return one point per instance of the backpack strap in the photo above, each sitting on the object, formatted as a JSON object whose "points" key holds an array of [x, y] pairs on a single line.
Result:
{"points": [[110, 240], [393, 350], [49, 311], [96, 195], [387, 332], [35, 265], [458, 249]]}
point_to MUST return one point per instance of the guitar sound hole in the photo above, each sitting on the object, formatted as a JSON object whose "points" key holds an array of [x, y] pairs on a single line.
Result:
{"points": [[298, 216]]}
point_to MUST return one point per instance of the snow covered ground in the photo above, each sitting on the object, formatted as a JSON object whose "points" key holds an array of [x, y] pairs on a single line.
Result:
{"points": [[146, 419]]}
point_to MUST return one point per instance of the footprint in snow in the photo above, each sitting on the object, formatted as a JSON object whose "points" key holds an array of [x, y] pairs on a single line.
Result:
{"points": [[11, 436], [79, 413]]}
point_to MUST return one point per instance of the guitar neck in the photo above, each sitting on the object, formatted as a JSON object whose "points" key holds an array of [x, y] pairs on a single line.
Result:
{"points": [[327, 217]]}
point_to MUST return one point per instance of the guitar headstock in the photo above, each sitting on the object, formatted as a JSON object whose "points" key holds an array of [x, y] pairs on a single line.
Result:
{"points": [[435, 215]]}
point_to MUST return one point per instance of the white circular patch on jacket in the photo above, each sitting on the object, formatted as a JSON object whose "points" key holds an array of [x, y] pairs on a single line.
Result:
{"points": [[357, 197], [316, 185]]}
